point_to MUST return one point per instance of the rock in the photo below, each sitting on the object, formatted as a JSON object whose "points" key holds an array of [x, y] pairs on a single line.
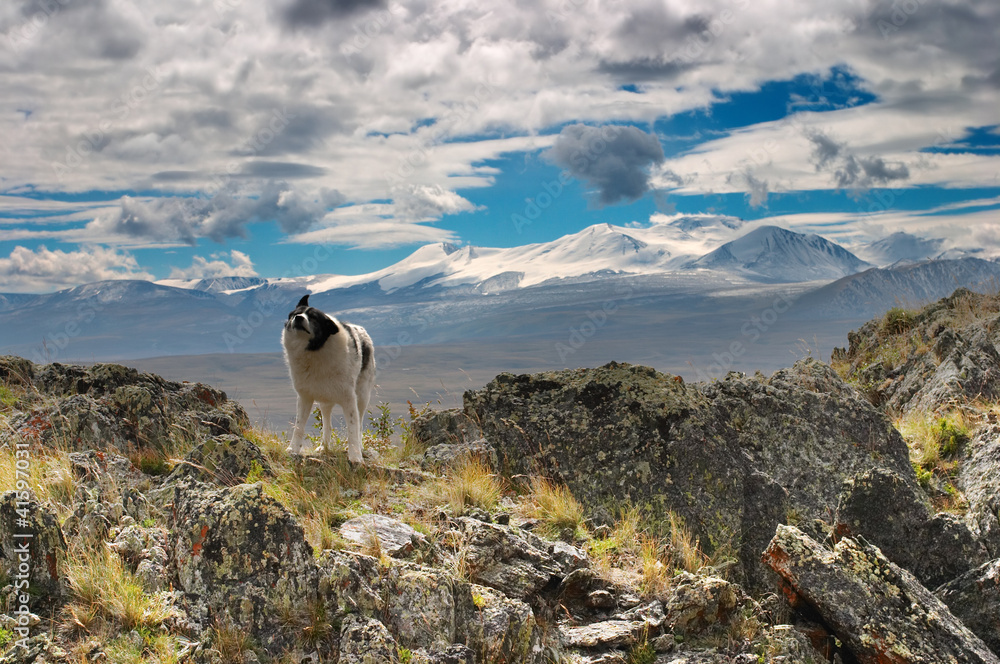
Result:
{"points": [[787, 645], [445, 427], [516, 563], [449, 455], [42, 649], [420, 607], [497, 628], [239, 554], [110, 406], [453, 654], [366, 641], [225, 460], [395, 538], [31, 544], [697, 604], [889, 513], [604, 634], [934, 360], [354, 582], [979, 480], [974, 598], [144, 551], [729, 458], [878, 610]]}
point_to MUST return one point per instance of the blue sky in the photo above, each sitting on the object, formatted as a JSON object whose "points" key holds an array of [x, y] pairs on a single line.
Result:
{"points": [[196, 139]]}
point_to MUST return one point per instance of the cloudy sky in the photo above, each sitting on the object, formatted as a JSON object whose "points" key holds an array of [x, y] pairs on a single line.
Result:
{"points": [[150, 139]]}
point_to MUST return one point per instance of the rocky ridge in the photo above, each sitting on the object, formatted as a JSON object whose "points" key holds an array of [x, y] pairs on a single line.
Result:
{"points": [[754, 519]]}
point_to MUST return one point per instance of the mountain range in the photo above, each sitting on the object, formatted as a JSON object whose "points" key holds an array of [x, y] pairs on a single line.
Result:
{"points": [[694, 272]]}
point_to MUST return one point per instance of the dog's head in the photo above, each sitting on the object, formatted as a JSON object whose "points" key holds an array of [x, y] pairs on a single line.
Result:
{"points": [[305, 322]]}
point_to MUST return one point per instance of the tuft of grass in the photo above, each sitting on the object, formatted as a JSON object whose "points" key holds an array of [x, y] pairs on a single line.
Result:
{"points": [[641, 652], [50, 476], [897, 320], [150, 460], [470, 484], [232, 643], [554, 506], [935, 442], [105, 592]]}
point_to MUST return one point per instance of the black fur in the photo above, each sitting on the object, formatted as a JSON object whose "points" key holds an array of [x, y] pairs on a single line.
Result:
{"points": [[322, 327], [366, 354]]}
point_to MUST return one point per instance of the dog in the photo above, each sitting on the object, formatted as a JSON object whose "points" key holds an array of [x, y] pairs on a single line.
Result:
{"points": [[330, 362]]}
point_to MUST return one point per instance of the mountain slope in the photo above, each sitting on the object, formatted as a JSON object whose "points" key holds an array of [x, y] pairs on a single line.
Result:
{"points": [[773, 254], [898, 247], [873, 291]]}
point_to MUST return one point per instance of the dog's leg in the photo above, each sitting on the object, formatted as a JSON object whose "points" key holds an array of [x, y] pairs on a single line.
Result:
{"points": [[326, 410], [353, 432], [302, 410]]}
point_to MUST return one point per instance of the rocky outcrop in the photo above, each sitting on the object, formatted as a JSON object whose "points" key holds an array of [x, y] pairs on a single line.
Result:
{"points": [[110, 406], [731, 458], [879, 610], [887, 512], [944, 354]]}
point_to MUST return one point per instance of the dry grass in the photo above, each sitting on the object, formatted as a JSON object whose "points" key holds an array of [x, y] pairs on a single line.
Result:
{"points": [[49, 475], [634, 555], [469, 484], [554, 506], [106, 595]]}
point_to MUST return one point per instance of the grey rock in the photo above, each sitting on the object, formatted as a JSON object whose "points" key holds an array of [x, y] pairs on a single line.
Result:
{"points": [[30, 537], [888, 512], [394, 537], [513, 562], [974, 598], [225, 460], [698, 604], [238, 553], [979, 480], [366, 641], [879, 610], [449, 455], [729, 458], [445, 427]]}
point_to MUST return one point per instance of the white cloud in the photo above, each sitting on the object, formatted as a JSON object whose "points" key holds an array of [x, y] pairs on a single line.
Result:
{"points": [[378, 99], [239, 265], [27, 271]]}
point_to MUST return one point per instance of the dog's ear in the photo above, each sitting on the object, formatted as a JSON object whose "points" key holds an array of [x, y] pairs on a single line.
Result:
{"points": [[304, 302], [324, 329]]}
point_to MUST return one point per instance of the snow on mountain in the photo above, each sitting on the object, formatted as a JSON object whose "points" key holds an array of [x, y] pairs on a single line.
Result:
{"points": [[770, 253], [899, 246], [667, 244]]}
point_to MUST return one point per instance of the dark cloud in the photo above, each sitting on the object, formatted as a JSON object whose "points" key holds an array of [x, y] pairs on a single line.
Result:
{"points": [[310, 13], [850, 171], [219, 217], [281, 169], [644, 69], [613, 159]]}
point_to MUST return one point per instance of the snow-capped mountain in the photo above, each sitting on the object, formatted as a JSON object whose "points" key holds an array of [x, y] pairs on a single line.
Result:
{"points": [[900, 246], [596, 250], [773, 254]]}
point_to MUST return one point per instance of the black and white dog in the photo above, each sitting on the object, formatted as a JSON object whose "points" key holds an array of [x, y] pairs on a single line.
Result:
{"points": [[331, 363]]}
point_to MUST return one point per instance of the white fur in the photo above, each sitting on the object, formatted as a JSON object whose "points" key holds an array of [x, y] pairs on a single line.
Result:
{"points": [[330, 376]]}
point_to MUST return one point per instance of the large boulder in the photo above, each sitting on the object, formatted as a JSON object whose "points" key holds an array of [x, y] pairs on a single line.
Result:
{"points": [[732, 458], [240, 558], [889, 513], [878, 610]]}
